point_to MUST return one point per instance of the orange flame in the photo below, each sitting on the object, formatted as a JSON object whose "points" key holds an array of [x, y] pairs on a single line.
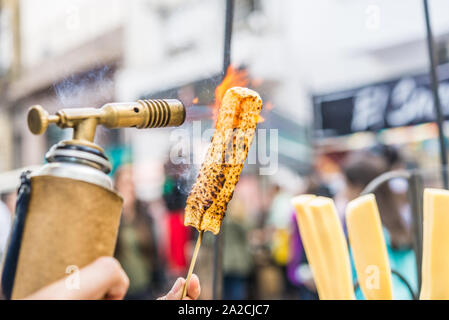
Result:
{"points": [[195, 100], [233, 78]]}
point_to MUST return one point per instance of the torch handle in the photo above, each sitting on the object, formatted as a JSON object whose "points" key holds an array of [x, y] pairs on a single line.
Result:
{"points": [[192, 263]]}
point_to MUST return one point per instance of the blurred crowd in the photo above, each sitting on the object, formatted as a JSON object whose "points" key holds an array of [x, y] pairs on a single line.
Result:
{"points": [[263, 253]]}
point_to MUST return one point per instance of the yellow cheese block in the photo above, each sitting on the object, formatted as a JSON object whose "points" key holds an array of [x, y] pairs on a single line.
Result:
{"points": [[312, 245], [425, 269], [335, 248], [368, 247], [435, 264]]}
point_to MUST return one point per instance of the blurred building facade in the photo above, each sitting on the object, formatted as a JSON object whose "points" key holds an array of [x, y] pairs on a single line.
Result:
{"points": [[80, 53]]}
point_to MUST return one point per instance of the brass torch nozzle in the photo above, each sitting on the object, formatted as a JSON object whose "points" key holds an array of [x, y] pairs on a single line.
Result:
{"points": [[140, 114]]}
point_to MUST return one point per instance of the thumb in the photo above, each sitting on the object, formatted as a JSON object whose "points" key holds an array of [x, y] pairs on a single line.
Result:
{"points": [[176, 291]]}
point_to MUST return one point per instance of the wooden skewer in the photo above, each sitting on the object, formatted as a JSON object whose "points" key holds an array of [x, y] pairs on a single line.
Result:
{"points": [[192, 263]]}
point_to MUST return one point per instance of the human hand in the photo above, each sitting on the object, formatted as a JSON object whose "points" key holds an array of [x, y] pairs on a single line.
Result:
{"points": [[102, 279], [193, 290]]}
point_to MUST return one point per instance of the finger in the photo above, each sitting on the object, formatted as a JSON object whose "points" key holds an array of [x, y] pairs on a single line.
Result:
{"points": [[194, 289], [119, 282], [176, 291], [104, 278]]}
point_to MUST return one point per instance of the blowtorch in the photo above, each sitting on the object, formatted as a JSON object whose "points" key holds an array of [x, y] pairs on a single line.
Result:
{"points": [[67, 213]]}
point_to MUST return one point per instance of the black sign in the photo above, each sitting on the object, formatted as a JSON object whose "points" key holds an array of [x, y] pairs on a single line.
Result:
{"points": [[396, 103]]}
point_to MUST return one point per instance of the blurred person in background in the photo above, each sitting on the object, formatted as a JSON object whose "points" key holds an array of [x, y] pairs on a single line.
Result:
{"points": [[298, 270], [136, 248], [264, 280], [360, 169], [278, 226], [175, 195], [237, 256], [277, 230], [399, 186]]}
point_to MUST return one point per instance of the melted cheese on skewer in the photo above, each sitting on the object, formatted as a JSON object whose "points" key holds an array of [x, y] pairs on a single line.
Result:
{"points": [[220, 171]]}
